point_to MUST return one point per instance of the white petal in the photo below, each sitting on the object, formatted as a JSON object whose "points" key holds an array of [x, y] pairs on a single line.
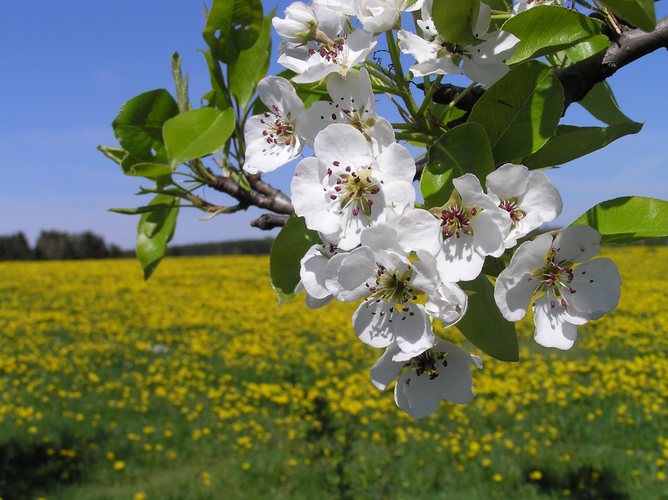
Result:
{"points": [[515, 285], [279, 92], [417, 396], [396, 164], [347, 273], [313, 303], [381, 237], [597, 289], [508, 181], [310, 198], [449, 304], [413, 334], [490, 229], [552, 328], [459, 259], [385, 370], [456, 384], [371, 326], [315, 119], [262, 156], [419, 230], [312, 273], [577, 243], [355, 89], [344, 144], [381, 134]]}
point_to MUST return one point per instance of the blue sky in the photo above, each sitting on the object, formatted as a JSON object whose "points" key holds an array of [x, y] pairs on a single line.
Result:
{"points": [[68, 66]]}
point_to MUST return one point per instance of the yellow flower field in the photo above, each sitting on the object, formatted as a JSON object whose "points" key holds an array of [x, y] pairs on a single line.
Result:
{"points": [[197, 385]]}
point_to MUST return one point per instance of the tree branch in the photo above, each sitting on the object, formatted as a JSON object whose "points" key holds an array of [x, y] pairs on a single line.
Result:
{"points": [[270, 221], [631, 45], [579, 78], [261, 194]]}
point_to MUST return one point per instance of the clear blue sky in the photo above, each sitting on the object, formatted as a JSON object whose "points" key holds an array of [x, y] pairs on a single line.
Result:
{"points": [[68, 66]]}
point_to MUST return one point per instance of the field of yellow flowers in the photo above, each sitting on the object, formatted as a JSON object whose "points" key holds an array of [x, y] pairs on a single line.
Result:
{"points": [[197, 385]]}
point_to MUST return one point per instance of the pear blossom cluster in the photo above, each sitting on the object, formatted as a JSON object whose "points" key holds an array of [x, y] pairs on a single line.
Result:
{"points": [[405, 265]]}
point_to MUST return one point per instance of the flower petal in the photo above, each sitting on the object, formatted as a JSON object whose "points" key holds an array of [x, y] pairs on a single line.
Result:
{"points": [[552, 327], [577, 243], [597, 289], [385, 370]]}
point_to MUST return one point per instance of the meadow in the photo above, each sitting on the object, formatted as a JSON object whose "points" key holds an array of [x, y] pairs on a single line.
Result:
{"points": [[197, 385]]}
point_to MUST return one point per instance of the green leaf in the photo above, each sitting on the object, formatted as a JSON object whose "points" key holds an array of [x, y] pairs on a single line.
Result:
{"points": [[197, 133], [521, 111], [601, 103], [138, 126], [572, 142], [627, 219], [546, 29], [217, 97], [251, 65], [154, 231], [455, 20], [483, 323], [140, 210], [232, 26], [463, 149], [288, 249], [149, 170], [180, 83], [114, 154], [587, 48], [637, 12]]}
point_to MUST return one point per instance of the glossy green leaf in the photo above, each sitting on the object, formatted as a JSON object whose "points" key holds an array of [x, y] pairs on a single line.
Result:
{"points": [[637, 12], [197, 133], [521, 111], [138, 126], [587, 48], [114, 154], [251, 65], [217, 96], [455, 20], [572, 142], [546, 29], [627, 219], [232, 26], [149, 170], [463, 149], [140, 210], [601, 103], [483, 323], [154, 231], [287, 251]]}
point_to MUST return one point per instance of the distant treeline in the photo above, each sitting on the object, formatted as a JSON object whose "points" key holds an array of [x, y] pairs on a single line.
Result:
{"points": [[57, 245], [60, 245]]}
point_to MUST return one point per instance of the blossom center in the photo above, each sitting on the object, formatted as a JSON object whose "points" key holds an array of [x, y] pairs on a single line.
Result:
{"points": [[512, 207], [330, 52], [393, 287], [355, 189], [428, 363], [456, 220], [555, 277], [279, 129]]}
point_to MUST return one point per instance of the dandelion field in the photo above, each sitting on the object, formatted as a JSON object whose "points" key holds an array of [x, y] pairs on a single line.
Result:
{"points": [[196, 385]]}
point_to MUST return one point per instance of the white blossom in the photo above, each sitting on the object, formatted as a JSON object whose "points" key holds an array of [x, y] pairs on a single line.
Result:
{"points": [[529, 198], [467, 229], [354, 103], [442, 372], [344, 188], [392, 282], [312, 273], [337, 55], [299, 25], [271, 139], [377, 16], [569, 289], [483, 62]]}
